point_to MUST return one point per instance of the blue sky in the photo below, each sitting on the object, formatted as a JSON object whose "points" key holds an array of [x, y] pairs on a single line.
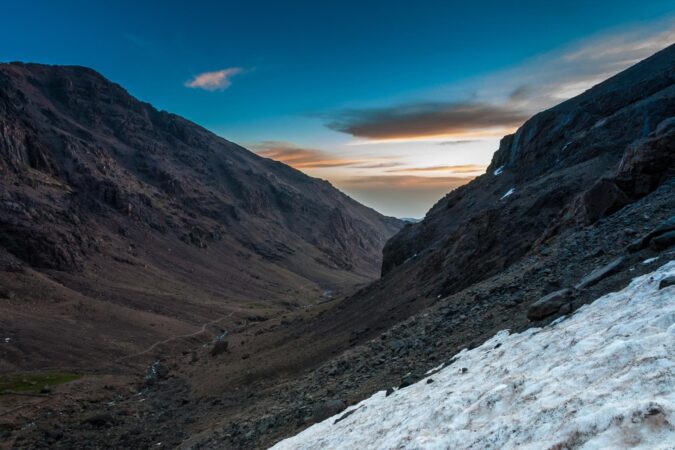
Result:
{"points": [[394, 102]]}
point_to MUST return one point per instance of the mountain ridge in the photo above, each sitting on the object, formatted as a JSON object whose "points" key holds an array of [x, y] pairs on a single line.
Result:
{"points": [[96, 181]]}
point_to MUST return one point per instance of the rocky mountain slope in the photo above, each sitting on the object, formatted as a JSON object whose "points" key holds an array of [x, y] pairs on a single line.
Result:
{"points": [[565, 168], [580, 383], [121, 225], [572, 164]]}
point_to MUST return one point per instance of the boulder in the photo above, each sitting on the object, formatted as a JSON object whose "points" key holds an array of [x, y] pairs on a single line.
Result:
{"points": [[99, 420], [666, 282], [345, 415], [601, 200], [156, 372], [219, 347], [664, 228], [663, 241], [549, 304], [327, 409], [408, 379], [666, 225], [600, 273], [648, 162]]}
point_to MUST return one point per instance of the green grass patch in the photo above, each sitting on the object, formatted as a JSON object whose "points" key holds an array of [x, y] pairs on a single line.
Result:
{"points": [[34, 382]]}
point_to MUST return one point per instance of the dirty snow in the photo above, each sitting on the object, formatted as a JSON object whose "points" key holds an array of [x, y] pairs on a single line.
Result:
{"points": [[509, 192], [601, 378], [499, 170]]}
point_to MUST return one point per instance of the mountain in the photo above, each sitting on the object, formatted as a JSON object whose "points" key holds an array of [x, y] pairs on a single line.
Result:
{"points": [[562, 216], [576, 204], [572, 164], [565, 168], [121, 225]]}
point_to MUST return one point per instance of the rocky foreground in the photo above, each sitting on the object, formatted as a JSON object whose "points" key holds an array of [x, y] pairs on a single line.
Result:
{"points": [[600, 378]]}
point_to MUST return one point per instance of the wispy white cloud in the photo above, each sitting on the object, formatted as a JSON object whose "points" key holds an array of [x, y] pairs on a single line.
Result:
{"points": [[548, 79], [498, 103], [457, 169], [218, 80]]}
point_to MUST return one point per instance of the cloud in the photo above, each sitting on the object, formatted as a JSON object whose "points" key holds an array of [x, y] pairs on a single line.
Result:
{"points": [[378, 165], [548, 79], [459, 142], [496, 104], [428, 119], [459, 169], [301, 158], [309, 158], [405, 182], [218, 80]]}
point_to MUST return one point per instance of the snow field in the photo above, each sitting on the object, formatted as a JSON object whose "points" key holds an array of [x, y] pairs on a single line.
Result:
{"points": [[602, 378]]}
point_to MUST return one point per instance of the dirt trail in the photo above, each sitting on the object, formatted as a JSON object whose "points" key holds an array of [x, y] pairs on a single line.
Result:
{"points": [[174, 338]]}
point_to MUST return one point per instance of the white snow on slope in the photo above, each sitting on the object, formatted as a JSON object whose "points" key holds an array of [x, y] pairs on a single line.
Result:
{"points": [[509, 192], [604, 378]]}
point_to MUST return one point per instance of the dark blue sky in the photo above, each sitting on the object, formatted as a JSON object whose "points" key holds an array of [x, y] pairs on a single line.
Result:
{"points": [[302, 61]]}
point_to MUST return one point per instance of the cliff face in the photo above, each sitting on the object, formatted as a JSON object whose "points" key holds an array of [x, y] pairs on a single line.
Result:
{"points": [[572, 164], [94, 180]]}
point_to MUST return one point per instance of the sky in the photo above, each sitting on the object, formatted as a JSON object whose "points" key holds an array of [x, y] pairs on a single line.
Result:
{"points": [[394, 102]]}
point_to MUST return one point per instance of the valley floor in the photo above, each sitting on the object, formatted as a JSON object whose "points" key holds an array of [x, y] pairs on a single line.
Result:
{"points": [[283, 375]]}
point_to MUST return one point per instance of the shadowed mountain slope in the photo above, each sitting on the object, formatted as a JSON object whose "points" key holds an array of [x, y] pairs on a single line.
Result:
{"points": [[117, 219], [565, 167]]}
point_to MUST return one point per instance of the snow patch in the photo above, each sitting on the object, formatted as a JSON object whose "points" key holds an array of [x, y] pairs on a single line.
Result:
{"points": [[434, 370], [650, 260], [602, 378], [509, 192], [499, 170]]}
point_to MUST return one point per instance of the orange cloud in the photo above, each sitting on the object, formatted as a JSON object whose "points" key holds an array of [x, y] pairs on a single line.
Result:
{"points": [[405, 181], [429, 120], [301, 158], [459, 169], [218, 80]]}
